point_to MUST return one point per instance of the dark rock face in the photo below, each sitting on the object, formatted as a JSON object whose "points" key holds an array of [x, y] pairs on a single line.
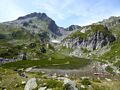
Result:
{"points": [[54, 28]]}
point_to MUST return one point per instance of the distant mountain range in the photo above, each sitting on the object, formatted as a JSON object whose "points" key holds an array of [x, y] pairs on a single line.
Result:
{"points": [[38, 23]]}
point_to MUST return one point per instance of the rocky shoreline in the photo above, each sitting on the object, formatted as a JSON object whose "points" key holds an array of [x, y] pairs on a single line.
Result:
{"points": [[3, 60]]}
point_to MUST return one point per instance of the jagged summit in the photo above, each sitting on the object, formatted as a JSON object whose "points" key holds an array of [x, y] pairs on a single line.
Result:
{"points": [[32, 15]]}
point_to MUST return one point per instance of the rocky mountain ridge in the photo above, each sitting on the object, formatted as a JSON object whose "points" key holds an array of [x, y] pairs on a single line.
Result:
{"points": [[37, 28], [40, 22]]}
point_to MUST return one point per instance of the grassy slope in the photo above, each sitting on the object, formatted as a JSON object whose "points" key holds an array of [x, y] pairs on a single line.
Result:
{"points": [[14, 40], [12, 81], [50, 59], [114, 53], [9, 79]]}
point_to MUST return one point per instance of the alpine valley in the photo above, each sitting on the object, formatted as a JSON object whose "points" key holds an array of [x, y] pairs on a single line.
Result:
{"points": [[37, 54]]}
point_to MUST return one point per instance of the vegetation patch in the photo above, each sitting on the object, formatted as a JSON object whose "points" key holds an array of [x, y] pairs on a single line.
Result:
{"points": [[74, 63], [100, 28], [77, 34]]}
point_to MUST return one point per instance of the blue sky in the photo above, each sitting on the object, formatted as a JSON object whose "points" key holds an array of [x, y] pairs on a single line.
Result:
{"points": [[64, 12]]}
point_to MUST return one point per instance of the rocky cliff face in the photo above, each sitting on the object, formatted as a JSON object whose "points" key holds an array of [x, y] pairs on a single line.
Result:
{"points": [[95, 37]]}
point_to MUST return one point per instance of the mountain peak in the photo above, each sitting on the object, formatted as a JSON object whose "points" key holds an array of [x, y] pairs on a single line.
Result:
{"points": [[38, 21], [73, 27], [32, 15]]}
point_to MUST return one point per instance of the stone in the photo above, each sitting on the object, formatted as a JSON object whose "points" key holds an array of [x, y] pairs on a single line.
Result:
{"points": [[31, 84], [71, 84], [42, 88], [49, 89], [23, 82]]}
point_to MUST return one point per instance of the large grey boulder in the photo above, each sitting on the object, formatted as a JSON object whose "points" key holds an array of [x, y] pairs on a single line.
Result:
{"points": [[70, 85], [31, 84]]}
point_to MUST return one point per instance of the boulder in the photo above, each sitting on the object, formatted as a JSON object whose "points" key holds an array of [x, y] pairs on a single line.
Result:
{"points": [[31, 84], [69, 84]]}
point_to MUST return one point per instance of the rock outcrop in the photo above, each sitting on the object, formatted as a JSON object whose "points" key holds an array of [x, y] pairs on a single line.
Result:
{"points": [[95, 38]]}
